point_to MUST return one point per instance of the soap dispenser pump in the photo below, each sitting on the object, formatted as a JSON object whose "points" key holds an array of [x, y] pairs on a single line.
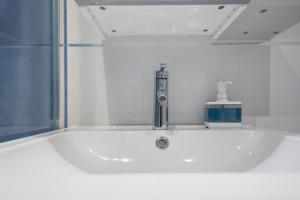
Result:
{"points": [[222, 87], [222, 112]]}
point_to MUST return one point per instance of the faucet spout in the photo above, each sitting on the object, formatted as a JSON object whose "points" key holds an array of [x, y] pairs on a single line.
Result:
{"points": [[161, 118]]}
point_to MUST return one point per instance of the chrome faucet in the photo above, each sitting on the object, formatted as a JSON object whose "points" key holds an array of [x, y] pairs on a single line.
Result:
{"points": [[161, 118]]}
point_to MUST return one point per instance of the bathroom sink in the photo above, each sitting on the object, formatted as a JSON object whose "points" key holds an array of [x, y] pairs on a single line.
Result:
{"points": [[188, 151], [141, 163]]}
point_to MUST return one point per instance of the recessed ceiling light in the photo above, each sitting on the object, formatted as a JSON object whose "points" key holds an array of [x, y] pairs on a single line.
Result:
{"points": [[263, 10], [205, 30], [221, 7], [113, 30], [102, 8], [245, 32]]}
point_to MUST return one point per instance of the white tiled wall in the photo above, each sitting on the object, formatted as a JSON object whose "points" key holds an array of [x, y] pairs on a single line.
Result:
{"points": [[194, 70]]}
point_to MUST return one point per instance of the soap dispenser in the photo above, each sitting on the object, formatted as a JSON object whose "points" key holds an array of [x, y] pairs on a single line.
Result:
{"points": [[222, 87], [223, 112]]}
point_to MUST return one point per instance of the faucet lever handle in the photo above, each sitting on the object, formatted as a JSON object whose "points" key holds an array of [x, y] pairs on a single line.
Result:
{"points": [[163, 67]]}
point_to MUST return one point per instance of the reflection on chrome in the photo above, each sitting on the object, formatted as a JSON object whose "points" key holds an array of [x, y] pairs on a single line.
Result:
{"points": [[188, 160], [125, 160], [109, 159]]}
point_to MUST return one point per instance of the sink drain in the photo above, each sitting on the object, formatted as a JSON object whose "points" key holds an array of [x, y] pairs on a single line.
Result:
{"points": [[162, 142]]}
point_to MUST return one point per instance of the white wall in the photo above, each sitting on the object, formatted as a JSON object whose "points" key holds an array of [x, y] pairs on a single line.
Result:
{"points": [[194, 69], [86, 82], [248, 67], [285, 73], [285, 81], [113, 84]]}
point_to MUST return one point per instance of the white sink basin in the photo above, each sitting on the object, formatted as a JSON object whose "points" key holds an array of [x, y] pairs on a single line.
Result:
{"points": [[134, 151]]}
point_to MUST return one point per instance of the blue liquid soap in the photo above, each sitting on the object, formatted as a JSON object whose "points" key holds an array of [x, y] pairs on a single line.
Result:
{"points": [[223, 113]]}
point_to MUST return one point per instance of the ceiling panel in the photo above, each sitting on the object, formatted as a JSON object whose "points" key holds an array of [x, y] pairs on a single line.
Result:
{"points": [[201, 20], [159, 2], [254, 24]]}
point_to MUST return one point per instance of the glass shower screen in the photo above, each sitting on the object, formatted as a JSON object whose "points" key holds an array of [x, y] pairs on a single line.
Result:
{"points": [[28, 67]]}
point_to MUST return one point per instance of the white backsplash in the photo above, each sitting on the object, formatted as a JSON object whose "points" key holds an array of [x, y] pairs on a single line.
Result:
{"points": [[194, 71]]}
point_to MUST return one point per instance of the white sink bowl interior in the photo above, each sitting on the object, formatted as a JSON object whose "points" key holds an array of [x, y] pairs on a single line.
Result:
{"points": [[134, 151]]}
